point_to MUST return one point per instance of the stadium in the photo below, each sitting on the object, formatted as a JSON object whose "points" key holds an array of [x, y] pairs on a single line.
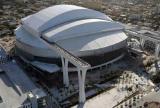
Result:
{"points": [[86, 33]]}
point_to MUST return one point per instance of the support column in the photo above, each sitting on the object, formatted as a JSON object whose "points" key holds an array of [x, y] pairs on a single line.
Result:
{"points": [[81, 80], [157, 48], [65, 71], [142, 41]]}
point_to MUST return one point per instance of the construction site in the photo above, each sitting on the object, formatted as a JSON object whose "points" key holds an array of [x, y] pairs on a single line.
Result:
{"points": [[70, 56]]}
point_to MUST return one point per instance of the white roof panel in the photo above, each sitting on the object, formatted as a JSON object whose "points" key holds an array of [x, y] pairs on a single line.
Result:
{"points": [[58, 14], [92, 42], [75, 28], [76, 45], [81, 28]]}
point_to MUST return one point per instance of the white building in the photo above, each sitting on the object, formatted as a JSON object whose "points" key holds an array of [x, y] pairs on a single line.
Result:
{"points": [[86, 33]]}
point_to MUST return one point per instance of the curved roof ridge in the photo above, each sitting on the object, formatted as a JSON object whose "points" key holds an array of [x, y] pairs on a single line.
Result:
{"points": [[58, 14], [80, 28]]}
